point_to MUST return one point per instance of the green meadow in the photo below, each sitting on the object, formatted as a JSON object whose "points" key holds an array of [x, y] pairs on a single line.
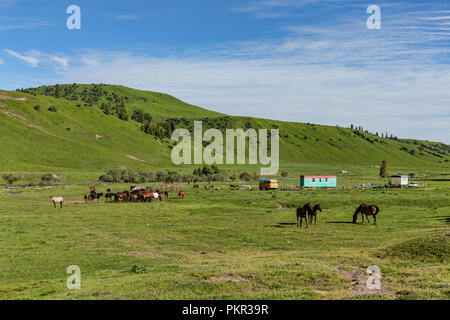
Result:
{"points": [[225, 244], [217, 243]]}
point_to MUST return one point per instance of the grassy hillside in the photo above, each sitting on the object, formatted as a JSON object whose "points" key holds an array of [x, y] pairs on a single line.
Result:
{"points": [[159, 105], [36, 139]]}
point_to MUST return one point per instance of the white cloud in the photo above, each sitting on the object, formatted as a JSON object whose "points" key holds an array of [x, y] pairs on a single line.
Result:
{"points": [[90, 62], [400, 99], [436, 18], [28, 59], [61, 61]]}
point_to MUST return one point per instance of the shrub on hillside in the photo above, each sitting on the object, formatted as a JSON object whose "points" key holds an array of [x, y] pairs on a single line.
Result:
{"points": [[10, 178], [52, 109], [49, 178], [245, 176], [37, 107], [218, 177], [284, 174], [107, 178]]}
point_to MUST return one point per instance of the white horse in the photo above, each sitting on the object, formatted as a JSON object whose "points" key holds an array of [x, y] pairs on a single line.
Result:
{"points": [[56, 200], [155, 195]]}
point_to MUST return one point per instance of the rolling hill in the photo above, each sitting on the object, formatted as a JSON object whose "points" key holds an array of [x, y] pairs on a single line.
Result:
{"points": [[93, 128]]}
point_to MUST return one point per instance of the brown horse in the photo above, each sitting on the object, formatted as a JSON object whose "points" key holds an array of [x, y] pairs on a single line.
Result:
{"points": [[134, 197], [121, 195], [181, 194], [146, 196], [302, 213], [367, 210]]}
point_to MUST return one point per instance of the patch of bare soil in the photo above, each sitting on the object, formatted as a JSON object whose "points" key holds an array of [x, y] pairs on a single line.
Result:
{"points": [[358, 279], [2, 96], [280, 206], [228, 277], [14, 115], [133, 157]]}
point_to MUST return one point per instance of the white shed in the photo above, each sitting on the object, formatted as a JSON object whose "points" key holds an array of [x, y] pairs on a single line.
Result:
{"points": [[399, 181]]}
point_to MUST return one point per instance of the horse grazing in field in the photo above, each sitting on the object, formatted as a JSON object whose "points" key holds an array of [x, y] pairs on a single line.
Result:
{"points": [[134, 197], [56, 200], [313, 214], [95, 196], [303, 212], [121, 195], [181, 194], [367, 210], [146, 196], [109, 196]]}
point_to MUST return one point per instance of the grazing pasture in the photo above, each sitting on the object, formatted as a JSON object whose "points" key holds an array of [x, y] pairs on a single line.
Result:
{"points": [[225, 244]]}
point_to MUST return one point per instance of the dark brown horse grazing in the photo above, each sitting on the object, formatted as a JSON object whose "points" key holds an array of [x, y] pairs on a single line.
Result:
{"points": [[146, 196], [367, 210], [313, 215], [109, 196], [95, 196], [121, 195], [302, 213]]}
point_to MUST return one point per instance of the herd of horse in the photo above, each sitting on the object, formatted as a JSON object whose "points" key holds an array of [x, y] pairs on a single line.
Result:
{"points": [[139, 194], [136, 194], [308, 211]]}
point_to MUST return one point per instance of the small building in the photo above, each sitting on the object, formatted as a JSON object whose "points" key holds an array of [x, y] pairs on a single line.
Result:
{"points": [[400, 181], [318, 181]]}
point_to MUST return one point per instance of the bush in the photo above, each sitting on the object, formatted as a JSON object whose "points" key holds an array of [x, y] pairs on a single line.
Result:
{"points": [[37, 108], [107, 178], [218, 178], [10, 178], [52, 109], [116, 174], [49, 177], [147, 176], [284, 174], [160, 176], [245, 176], [173, 176]]}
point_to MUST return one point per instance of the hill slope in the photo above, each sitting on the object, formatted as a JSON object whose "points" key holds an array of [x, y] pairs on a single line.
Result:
{"points": [[38, 140]]}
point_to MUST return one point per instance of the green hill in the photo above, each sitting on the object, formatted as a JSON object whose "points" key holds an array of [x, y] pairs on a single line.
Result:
{"points": [[134, 127]]}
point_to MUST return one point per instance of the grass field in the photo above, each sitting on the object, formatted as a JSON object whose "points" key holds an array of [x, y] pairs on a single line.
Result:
{"points": [[223, 244]]}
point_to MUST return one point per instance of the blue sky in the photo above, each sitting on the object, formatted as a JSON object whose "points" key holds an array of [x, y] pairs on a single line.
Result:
{"points": [[295, 60]]}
